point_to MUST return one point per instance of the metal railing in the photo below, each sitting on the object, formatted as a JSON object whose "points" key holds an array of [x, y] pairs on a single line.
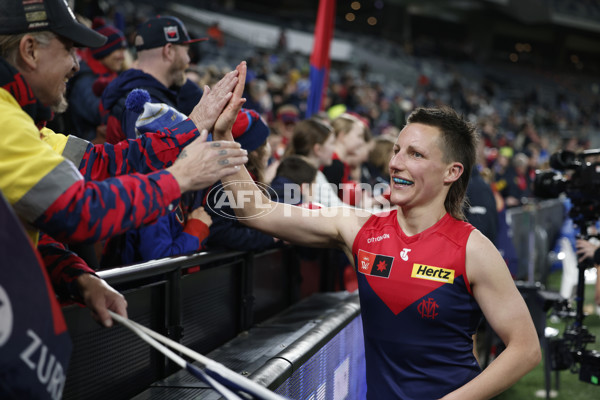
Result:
{"points": [[202, 300], [534, 229]]}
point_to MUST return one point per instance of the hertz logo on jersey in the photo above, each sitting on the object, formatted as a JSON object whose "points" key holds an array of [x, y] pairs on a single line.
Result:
{"points": [[428, 272]]}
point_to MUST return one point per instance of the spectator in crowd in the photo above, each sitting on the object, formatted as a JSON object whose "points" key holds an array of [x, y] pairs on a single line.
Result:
{"points": [[481, 208], [183, 230], [216, 34], [314, 139], [525, 174], [370, 189], [258, 97], [518, 184], [48, 178], [350, 134], [97, 68], [404, 354], [504, 176], [281, 41], [286, 118], [294, 181], [359, 171], [379, 156], [526, 136], [162, 45], [226, 231]]}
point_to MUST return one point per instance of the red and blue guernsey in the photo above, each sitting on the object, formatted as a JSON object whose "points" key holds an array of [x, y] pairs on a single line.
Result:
{"points": [[417, 307]]}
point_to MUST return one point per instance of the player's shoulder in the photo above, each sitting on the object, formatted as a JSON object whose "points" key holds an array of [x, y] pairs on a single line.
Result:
{"points": [[481, 254]]}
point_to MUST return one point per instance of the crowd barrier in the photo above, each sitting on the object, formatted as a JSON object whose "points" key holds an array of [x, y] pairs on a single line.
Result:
{"points": [[314, 349], [202, 301], [223, 305], [534, 229]]}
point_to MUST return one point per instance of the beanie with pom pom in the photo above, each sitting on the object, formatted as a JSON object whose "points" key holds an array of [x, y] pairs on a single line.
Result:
{"points": [[152, 116], [249, 129]]}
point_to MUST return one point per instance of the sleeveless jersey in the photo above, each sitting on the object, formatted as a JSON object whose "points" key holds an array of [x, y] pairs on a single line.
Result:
{"points": [[417, 308]]}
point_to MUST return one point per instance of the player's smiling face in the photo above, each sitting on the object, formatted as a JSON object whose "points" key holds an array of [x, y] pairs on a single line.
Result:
{"points": [[416, 168]]}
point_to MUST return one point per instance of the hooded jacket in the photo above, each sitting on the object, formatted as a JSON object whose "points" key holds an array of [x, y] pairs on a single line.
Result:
{"points": [[84, 101], [120, 122]]}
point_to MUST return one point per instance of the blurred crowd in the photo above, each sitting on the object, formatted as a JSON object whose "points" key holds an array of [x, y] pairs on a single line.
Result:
{"points": [[589, 9], [361, 118]]}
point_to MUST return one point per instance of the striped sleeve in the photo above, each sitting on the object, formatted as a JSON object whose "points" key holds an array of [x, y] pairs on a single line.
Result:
{"points": [[63, 267], [92, 211], [150, 152]]}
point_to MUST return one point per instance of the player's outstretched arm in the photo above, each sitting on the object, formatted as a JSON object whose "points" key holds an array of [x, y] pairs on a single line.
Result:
{"points": [[318, 228]]}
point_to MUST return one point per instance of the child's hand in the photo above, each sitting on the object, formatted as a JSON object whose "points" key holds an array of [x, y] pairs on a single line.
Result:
{"points": [[201, 215]]}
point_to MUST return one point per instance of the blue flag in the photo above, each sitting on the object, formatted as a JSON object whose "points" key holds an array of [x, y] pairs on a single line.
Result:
{"points": [[34, 343]]}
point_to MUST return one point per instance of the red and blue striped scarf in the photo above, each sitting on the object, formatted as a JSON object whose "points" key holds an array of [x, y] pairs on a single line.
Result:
{"points": [[12, 81]]}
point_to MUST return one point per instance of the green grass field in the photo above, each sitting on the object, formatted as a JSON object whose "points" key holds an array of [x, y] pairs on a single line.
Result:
{"points": [[570, 387]]}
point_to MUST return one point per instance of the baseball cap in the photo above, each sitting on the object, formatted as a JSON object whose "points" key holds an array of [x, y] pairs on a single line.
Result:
{"points": [[156, 32], [20, 16]]}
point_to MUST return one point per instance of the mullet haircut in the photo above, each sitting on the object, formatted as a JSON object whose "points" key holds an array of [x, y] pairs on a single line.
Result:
{"points": [[458, 142]]}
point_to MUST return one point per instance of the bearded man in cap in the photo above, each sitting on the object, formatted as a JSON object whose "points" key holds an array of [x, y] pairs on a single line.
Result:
{"points": [[162, 46], [65, 186]]}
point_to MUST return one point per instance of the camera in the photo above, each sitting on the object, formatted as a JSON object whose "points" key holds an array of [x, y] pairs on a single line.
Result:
{"points": [[568, 351], [579, 180]]}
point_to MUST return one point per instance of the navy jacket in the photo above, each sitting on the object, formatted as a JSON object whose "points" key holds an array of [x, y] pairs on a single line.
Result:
{"points": [[83, 103], [482, 212], [184, 99]]}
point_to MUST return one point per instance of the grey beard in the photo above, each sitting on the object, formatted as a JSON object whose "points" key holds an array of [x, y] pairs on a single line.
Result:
{"points": [[61, 107]]}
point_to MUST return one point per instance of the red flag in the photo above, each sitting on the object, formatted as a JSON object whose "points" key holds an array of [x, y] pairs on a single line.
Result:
{"points": [[319, 59]]}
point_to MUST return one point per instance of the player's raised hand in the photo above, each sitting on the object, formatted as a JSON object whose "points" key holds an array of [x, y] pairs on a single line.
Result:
{"points": [[222, 129]]}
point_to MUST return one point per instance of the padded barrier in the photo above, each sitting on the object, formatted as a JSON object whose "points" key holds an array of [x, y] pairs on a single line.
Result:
{"points": [[226, 294], [314, 347]]}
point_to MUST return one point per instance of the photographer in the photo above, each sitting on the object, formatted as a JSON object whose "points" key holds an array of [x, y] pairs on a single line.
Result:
{"points": [[586, 249]]}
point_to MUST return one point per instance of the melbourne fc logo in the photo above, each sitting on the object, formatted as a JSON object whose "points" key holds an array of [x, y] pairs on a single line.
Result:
{"points": [[223, 201], [171, 33], [427, 308], [6, 317]]}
